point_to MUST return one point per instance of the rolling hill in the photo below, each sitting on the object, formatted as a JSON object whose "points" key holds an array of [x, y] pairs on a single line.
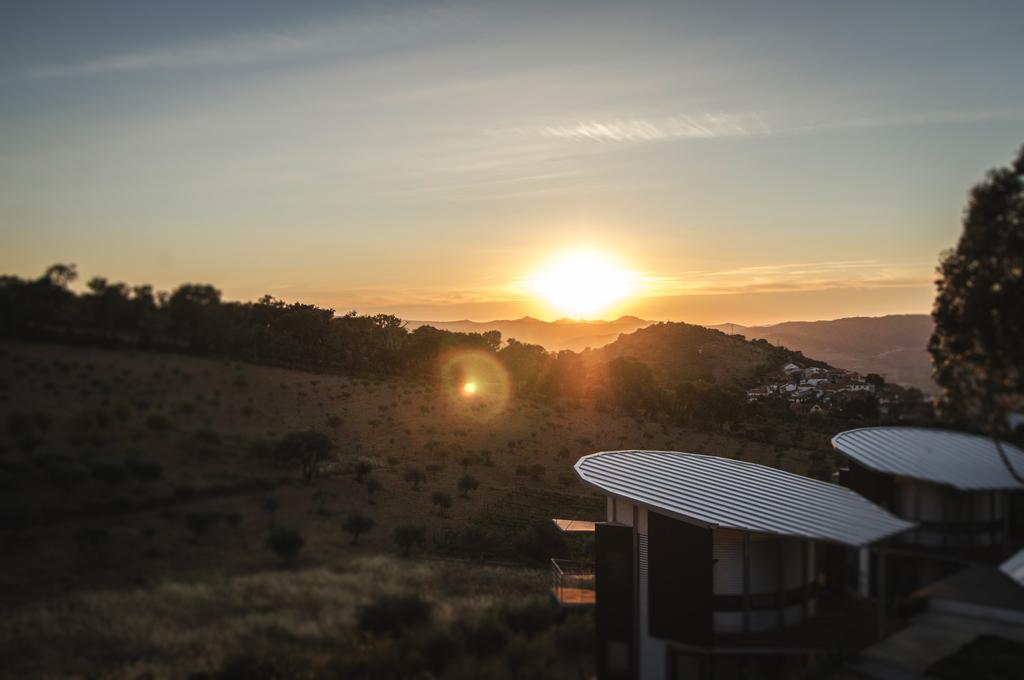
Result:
{"points": [[893, 346], [553, 335], [678, 352]]}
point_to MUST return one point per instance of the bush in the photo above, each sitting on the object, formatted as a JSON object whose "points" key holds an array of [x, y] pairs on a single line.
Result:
{"points": [[357, 525], [309, 451], [468, 483], [393, 614], [199, 522], [285, 543], [443, 501], [158, 423], [415, 476], [530, 617], [486, 637], [408, 536], [108, 472], [144, 471], [373, 485]]}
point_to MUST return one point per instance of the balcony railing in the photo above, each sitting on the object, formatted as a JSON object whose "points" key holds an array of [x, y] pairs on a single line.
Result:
{"points": [[572, 583]]}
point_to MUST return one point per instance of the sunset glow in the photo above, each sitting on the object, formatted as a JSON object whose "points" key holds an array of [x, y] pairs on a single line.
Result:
{"points": [[581, 283], [469, 389]]}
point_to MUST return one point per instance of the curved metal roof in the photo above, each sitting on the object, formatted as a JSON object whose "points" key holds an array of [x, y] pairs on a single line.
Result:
{"points": [[733, 494], [964, 461]]}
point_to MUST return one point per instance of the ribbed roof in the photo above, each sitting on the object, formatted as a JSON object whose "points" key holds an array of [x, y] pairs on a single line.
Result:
{"points": [[1014, 567], [964, 461], [733, 494]]}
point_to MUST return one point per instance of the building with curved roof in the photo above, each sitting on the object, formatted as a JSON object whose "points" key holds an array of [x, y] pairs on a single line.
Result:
{"points": [[704, 562]]}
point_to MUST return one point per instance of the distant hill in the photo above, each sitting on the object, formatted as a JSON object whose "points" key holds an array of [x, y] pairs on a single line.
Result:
{"points": [[553, 335], [893, 346], [678, 352]]}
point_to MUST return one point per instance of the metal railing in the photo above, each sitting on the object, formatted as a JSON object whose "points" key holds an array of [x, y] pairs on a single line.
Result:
{"points": [[572, 583]]}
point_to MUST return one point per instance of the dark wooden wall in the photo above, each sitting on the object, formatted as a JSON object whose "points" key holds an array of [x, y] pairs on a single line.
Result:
{"points": [[615, 578], [680, 579]]}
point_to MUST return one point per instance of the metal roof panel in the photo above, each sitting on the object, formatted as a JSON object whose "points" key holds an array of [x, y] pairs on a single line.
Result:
{"points": [[964, 461], [734, 494]]}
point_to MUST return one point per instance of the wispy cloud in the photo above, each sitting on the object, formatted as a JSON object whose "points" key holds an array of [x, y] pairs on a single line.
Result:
{"points": [[791, 277], [366, 32], [682, 126]]}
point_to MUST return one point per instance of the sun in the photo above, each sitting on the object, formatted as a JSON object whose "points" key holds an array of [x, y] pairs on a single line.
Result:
{"points": [[581, 283], [469, 388]]}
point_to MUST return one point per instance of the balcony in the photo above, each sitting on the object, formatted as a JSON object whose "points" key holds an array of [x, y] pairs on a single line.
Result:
{"points": [[572, 583]]}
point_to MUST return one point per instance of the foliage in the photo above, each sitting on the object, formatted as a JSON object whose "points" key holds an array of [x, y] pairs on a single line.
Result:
{"points": [[467, 483], [443, 501], [409, 536], [285, 543], [394, 614], [308, 451], [978, 345], [357, 525]]}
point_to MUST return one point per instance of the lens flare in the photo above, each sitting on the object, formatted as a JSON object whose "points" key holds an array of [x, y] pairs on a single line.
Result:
{"points": [[474, 385]]}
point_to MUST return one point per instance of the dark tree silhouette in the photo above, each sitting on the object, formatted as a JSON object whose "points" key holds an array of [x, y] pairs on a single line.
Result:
{"points": [[356, 525], [408, 536], [285, 543], [978, 345], [307, 451]]}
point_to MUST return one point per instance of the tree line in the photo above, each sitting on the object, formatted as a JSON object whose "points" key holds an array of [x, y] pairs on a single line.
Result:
{"points": [[194, 318]]}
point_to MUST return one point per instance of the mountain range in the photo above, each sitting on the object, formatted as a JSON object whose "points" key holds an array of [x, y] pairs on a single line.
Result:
{"points": [[893, 346]]}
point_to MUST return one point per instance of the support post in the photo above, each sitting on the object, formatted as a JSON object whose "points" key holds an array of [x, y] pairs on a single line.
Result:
{"points": [[881, 593]]}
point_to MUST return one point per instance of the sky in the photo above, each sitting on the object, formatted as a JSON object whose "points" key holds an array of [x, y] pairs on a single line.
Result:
{"points": [[745, 162]]}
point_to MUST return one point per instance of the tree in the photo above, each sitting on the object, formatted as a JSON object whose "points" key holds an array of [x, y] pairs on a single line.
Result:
{"points": [[875, 379], [408, 536], [373, 485], [363, 468], [308, 451], [467, 483], [415, 476], [285, 543], [443, 502], [977, 347], [357, 525]]}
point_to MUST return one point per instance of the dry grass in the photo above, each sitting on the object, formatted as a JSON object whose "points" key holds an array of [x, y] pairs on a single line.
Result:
{"points": [[173, 629], [148, 591]]}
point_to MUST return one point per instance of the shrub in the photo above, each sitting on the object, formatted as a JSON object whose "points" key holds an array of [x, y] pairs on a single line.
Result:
{"points": [[530, 617], [357, 525], [108, 472], [285, 543], [408, 536], [144, 471], [415, 476], [373, 485], [363, 468], [443, 501], [158, 423], [393, 614], [486, 637], [309, 451], [468, 483], [199, 522]]}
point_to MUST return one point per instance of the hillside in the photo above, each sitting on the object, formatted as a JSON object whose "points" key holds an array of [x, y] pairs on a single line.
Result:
{"points": [[553, 335], [678, 352], [139, 488], [893, 346]]}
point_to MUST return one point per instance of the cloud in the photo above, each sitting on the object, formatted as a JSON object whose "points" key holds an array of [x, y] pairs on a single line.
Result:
{"points": [[351, 35], [791, 277], [682, 126]]}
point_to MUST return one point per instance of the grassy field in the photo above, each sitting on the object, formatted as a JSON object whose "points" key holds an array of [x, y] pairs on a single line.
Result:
{"points": [[137, 493]]}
